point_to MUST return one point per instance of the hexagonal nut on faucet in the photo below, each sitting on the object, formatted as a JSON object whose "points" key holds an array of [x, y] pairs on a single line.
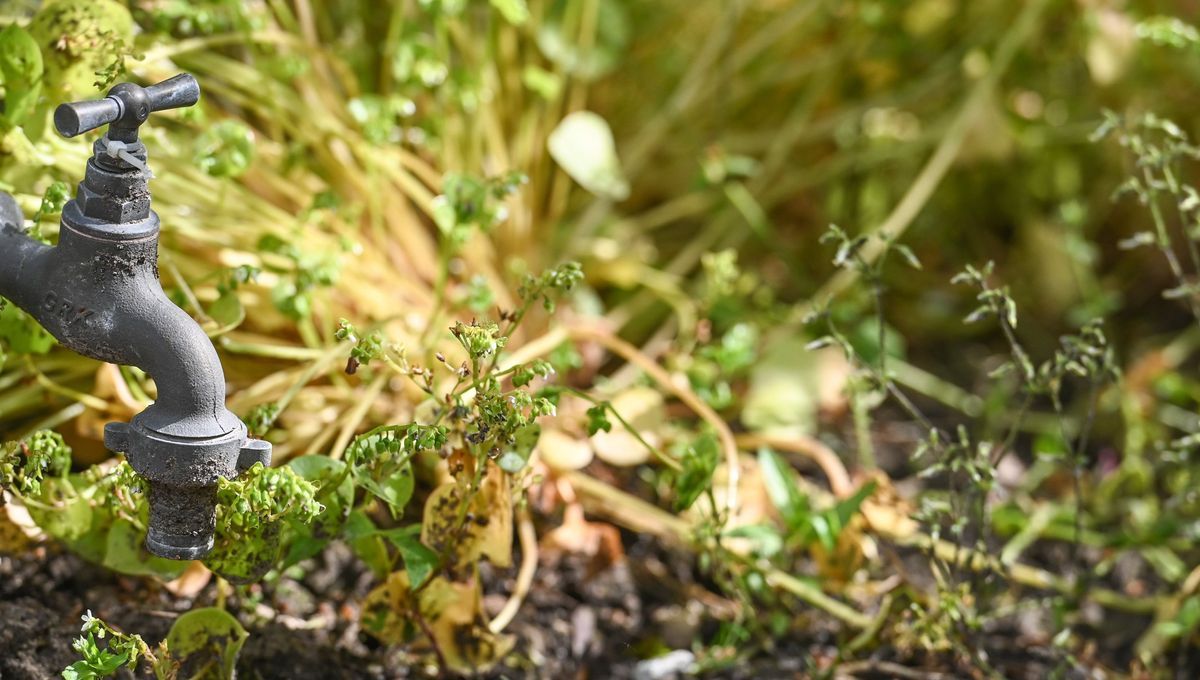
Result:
{"points": [[254, 451], [183, 474]]}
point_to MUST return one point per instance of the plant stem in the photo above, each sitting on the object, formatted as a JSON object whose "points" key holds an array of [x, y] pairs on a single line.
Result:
{"points": [[529, 562]]}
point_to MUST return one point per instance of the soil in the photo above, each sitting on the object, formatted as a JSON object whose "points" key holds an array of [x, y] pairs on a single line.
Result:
{"points": [[579, 621]]}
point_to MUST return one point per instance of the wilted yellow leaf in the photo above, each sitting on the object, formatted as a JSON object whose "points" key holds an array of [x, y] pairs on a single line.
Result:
{"points": [[483, 529], [451, 612]]}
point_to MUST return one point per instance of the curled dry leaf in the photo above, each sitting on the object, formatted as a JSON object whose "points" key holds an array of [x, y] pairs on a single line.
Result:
{"points": [[191, 582], [887, 513], [122, 405], [13, 539], [576, 535], [563, 453]]}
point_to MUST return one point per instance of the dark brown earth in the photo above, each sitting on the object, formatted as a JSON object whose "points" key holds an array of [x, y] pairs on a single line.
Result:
{"points": [[577, 622]]}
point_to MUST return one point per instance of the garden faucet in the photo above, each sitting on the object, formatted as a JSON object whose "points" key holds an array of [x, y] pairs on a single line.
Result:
{"points": [[97, 292]]}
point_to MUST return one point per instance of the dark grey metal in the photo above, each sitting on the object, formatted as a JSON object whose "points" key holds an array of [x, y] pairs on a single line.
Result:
{"points": [[126, 107], [98, 293]]}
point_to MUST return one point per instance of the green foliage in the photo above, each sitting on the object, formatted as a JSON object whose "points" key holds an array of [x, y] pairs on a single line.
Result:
{"points": [[208, 639], [201, 643], [367, 347], [380, 117], [526, 373], [260, 420], [481, 340], [699, 460], [1168, 31], [302, 274], [53, 200], [803, 525], [705, 124], [258, 515], [21, 334], [21, 74], [122, 651], [380, 460], [189, 18], [597, 419], [26, 464], [225, 149], [90, 40], [469, 203], [551, 285]]}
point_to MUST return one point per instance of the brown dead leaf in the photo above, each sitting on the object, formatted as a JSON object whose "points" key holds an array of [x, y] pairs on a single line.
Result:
{"points": [[191, 582], [12, 539], [886, 512], [450, 612], [576, 535], [122, 405], [837, 566]]}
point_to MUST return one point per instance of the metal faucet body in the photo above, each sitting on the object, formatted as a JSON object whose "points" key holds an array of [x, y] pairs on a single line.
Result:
{"points": [[98, 293]]}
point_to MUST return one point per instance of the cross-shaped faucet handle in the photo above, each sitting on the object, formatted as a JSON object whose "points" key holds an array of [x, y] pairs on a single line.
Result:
{"points": [[126, 107]]}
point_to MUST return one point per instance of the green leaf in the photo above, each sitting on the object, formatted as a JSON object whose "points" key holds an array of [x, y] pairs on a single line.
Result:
{"points": [[828, 525], [419, 560], [514, 459], [228, 312], [583, 146], [394, 487], [598, 420], [21, 333], [125, 552], [70, 515], [207, 636], [363, 537], [225, 149], [782, 489], [516, 12], [21, 70], [322, 471], [699, 462], [1189, 614]]}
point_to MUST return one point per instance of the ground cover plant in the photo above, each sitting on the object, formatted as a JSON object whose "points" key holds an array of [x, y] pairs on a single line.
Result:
{"points": [[611, 339]]}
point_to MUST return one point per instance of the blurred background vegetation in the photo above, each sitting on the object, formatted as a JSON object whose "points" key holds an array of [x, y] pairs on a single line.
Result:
{"points": [[404, 165]]}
